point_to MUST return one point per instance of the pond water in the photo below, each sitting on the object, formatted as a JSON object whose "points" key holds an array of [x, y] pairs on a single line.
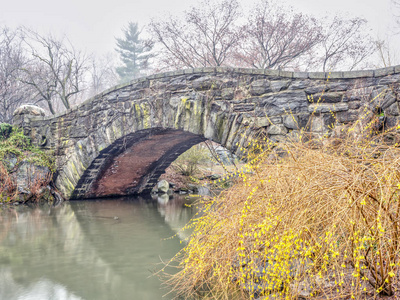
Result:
{"points": [[96, 249]]}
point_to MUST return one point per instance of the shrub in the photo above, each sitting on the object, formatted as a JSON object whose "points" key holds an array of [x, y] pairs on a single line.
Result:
{"points": [[5, 131], [315, 218]]}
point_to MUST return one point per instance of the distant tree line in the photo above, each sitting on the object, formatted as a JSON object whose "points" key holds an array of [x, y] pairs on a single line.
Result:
{"points": [[47, 71], [51, 72], [270, 36]]}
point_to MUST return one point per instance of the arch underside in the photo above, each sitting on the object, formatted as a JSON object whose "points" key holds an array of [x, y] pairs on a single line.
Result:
{"points": [[133, 163]]}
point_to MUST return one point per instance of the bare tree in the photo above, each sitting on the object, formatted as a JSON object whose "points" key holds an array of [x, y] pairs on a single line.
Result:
{"points": [[345, 43], [396, 7], [275, 37], [102, 74], [205, 36], [55, 70], [12, 92], [385, 54]]}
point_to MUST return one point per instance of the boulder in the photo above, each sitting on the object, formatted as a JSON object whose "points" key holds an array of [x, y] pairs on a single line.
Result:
{"points": [[225, 155], [194, 188], [29, 109], [163, 186]]}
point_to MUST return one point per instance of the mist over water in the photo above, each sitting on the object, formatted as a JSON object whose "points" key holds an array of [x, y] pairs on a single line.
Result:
{"points": [[99, 249]]}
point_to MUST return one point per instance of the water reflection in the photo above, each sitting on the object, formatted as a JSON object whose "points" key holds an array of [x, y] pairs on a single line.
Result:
{"points": [[89, 249]]}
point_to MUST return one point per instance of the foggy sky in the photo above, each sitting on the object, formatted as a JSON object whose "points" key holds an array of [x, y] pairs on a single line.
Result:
{"points": [[93, 25]]}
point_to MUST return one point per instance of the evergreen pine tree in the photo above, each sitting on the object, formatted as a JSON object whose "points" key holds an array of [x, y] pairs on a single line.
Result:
{"points": [[134, 53]]}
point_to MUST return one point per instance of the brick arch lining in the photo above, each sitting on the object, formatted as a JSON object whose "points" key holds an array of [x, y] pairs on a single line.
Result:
{"points": [[133, 163]]}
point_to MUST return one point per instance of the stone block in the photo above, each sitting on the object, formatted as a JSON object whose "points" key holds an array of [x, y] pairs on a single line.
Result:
{"points": [[393, 109], [329, 120], [285, 74], [279, 85], [317, 124], [208, 70], [315, 89], [397, 69], [221, 70], [332, 97], [266, 121], [197, 70], [358, 74], [391, 122], [278, 138], [284, 103], [227, 93], [391, 79], [299, 84], [262, 122], [354, 104], [244, 70], [244, 107], [303, 120], [277, 129], [270, 72], [188, 71], [178, 83], [335, 75], [204, 83], [275, 120], [160, 75], [142, 79], [259, 87], [384, 72], [257, 71], [317, 75], [339, 85], [327, 107], [291, 122], [300, 75], [348, 116], [178, 73]]}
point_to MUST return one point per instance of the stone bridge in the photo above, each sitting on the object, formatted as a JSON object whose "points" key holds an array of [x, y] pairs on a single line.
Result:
{"points": [[120, 141]]}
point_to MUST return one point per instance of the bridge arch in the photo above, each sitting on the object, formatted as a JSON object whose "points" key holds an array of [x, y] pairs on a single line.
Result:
{"points": [[160, 116], [133, 163]]}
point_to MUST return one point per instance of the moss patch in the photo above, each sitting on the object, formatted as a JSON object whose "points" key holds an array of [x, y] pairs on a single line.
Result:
{"points": [[20, 146]]}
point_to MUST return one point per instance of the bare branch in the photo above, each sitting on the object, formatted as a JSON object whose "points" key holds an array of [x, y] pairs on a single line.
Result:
{"points": [[55, 69], [344, 43], [205, 36], [12, 92], [275, 37]]}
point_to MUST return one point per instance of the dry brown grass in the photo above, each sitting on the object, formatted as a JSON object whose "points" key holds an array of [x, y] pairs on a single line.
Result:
{"points": [[316, 219], [8, 186]]}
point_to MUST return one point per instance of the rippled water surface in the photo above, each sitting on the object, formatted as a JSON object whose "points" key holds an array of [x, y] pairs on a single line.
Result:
{"points": [[105, 249]]}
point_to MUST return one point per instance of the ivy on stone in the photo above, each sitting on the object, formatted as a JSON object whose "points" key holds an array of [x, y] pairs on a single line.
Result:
{"points": [[15, 145]]}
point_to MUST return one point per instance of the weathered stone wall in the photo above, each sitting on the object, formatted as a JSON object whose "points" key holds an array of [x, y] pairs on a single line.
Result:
{"points": [[225, 105]]}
